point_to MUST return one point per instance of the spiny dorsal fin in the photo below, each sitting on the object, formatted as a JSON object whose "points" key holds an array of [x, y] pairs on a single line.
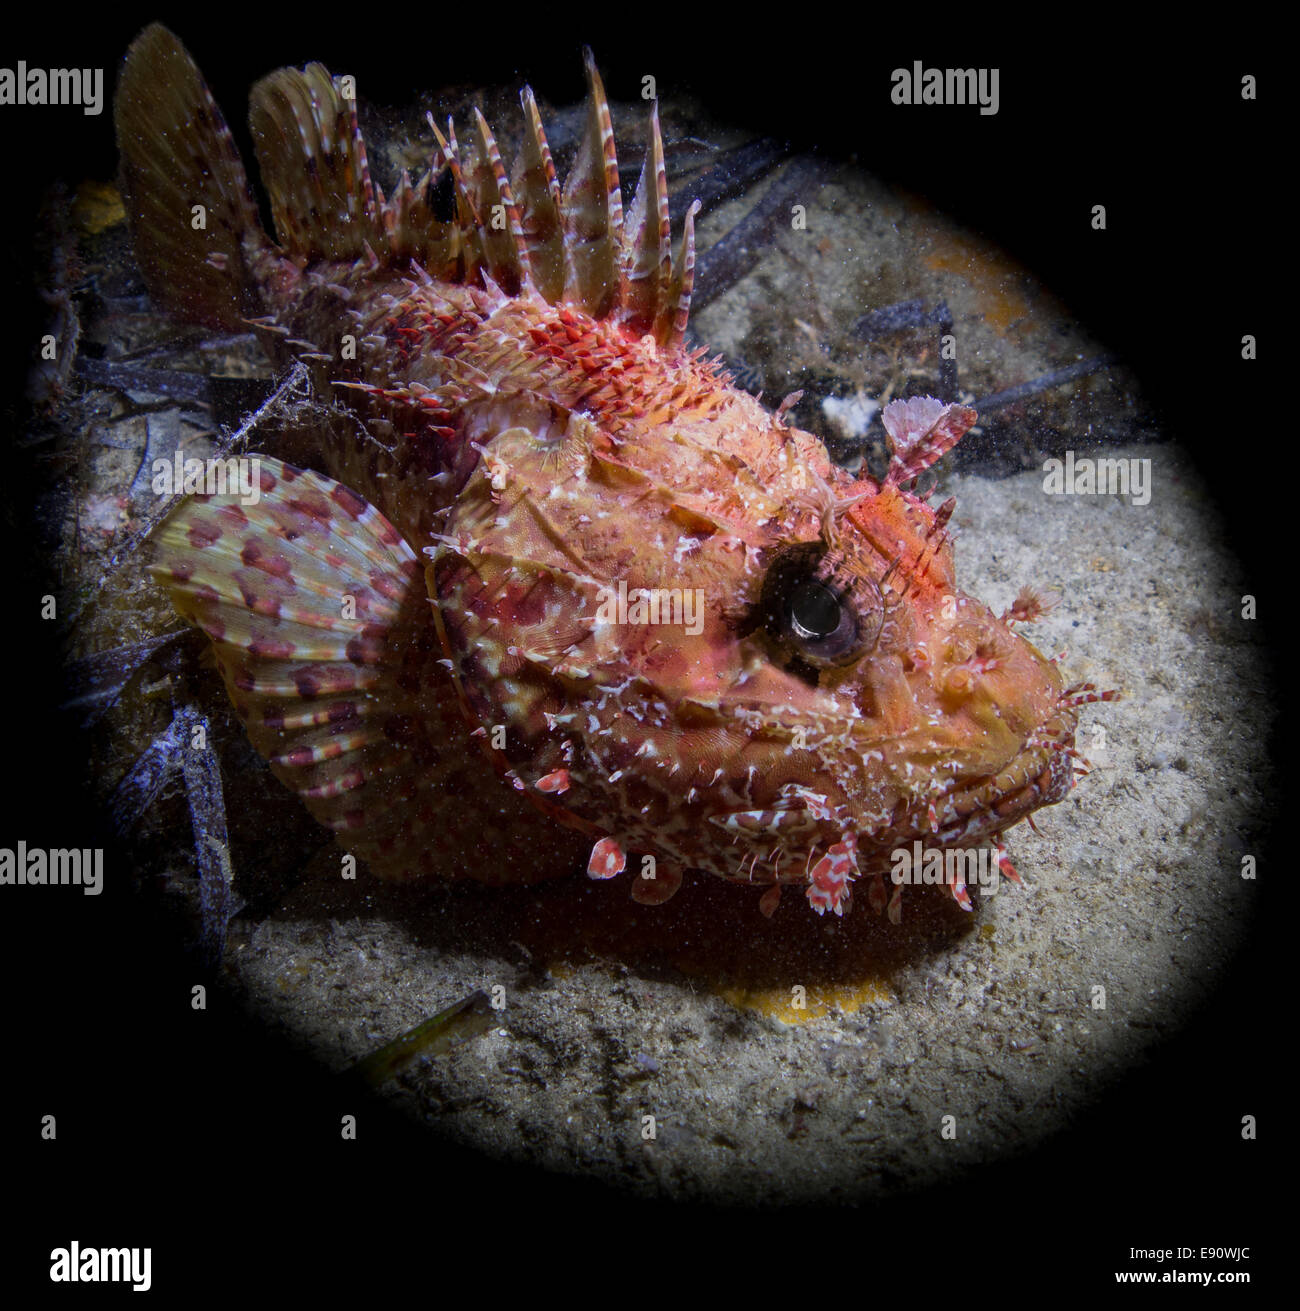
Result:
{"points": [[540, 216], [593, 211], [522, 235], [473, 232], [647, 256], [670, 326], [507, 251], [314, 165], [177, 155], [414, 233], [574, 245]]}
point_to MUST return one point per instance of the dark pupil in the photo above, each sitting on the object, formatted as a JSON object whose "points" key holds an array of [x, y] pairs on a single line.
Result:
{"points": [[815, 609]]}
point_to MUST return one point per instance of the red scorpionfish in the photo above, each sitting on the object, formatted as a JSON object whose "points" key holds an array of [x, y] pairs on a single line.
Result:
{"points": [[559, 563]]}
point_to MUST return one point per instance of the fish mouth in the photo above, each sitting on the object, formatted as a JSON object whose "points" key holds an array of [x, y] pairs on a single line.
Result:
{"points": [[1042, 773]]}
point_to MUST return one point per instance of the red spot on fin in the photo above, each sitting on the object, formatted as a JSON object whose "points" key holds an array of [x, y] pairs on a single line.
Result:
{"points": [[556, 782], [607, 860]]}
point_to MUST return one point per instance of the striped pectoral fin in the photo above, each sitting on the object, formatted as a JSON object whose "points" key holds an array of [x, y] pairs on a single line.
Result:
{"points": [[317, 614], [320, 621]]}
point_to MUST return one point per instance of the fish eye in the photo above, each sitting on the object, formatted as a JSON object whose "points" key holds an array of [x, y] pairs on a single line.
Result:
{"points": [[820, 618], [813, 611]]}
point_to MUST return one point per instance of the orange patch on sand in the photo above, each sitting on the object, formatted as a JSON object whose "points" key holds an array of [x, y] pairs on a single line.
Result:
{"points": [[780, 1003], [996, 279]]}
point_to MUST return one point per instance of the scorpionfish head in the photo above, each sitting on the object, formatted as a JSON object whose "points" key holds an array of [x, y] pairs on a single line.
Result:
{"points": [[701, 641]]}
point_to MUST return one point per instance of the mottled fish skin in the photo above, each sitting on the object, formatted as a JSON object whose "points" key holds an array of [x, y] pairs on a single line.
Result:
{"points": [[430, 636]]}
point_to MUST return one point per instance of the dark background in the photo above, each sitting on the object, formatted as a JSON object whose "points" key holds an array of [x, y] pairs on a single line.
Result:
{"points": [[198, 1137]]}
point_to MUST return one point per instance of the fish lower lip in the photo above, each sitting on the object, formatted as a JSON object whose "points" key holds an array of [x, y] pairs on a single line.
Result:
{"points": [[1049, 785], [1044, 786], [1002, 807]]}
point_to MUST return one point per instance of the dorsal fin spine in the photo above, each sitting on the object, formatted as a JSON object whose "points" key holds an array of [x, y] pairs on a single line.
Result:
{"points": [[670, 330], [647, 257], [520, 265]]}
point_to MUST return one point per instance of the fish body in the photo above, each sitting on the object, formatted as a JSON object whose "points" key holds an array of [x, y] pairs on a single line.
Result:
{"points": [[554, 560]]}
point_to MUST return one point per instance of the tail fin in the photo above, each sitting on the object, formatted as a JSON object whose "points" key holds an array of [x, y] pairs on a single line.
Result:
{"points": [[185, 189]]}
